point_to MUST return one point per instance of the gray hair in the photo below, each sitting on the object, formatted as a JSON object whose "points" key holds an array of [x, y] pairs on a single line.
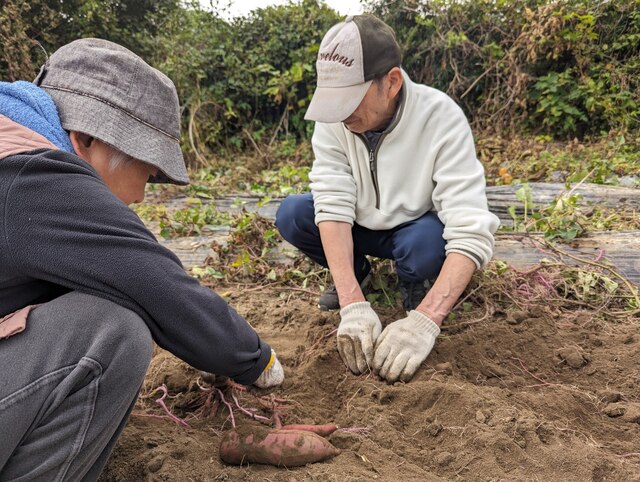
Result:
{"points": [[117, 158]]}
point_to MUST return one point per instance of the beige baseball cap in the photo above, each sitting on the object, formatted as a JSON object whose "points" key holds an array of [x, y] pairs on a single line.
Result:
{"points": [[351, 55]]}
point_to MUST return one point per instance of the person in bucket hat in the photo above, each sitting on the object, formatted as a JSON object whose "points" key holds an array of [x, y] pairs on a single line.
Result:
{"points": [[395, 176], [84, 286]]}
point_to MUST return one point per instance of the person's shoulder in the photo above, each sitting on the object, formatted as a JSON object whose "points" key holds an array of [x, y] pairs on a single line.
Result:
{"points": [[58, 182], [434, 107], [329, 132], [53, 161], [55, 156], [434, 97], [324, 127], [44, 174]]}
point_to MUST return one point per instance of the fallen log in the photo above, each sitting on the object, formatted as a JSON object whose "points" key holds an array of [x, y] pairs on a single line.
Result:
{"points": [[501, 198], [620, 249]]}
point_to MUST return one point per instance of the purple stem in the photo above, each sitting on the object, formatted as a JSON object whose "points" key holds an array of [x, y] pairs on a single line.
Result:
{"points": [[247, 412], [160, 401], [233, 420]]}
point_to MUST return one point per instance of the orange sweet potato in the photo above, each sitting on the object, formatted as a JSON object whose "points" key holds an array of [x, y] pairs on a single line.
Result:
{"points": [[322, 430], [282, 448]]}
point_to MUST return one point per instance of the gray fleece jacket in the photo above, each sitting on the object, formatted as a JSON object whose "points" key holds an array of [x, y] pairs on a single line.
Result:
{"points": [[61, 229]]}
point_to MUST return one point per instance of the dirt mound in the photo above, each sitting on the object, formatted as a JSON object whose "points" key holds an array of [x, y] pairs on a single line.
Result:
{"points": [[533, 395]]}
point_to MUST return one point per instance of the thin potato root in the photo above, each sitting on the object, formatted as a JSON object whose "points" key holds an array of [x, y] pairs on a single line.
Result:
{"points": [[282, 448]]}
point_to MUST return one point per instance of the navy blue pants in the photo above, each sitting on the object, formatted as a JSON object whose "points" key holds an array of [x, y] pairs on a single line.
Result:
{"points": [[416, 246]]}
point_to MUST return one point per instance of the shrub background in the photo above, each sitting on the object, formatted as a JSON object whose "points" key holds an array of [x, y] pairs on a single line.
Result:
{"points": [[560, 68]]}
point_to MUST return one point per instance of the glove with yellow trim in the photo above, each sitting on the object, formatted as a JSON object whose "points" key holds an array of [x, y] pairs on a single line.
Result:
{"points": [[272, 375]]}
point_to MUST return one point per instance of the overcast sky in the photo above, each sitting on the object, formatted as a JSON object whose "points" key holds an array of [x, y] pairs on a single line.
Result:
{"points": [[243, 7]]}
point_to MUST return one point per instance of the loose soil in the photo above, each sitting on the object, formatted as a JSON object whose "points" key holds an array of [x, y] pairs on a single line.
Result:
{"points": [[537, 395]]}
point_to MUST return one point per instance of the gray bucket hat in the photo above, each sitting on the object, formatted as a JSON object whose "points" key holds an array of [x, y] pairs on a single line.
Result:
{"points": [[102, 89]]}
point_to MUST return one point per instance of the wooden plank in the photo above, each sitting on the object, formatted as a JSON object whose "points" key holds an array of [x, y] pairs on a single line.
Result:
{"points": [[620, 249], [194, 250], [500, 198], [543, 193]]}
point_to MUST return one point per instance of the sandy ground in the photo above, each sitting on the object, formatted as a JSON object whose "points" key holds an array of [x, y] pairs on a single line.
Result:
{"points": [[537, 395]]}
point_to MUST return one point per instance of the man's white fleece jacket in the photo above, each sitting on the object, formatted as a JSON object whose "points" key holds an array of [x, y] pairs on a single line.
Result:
{"points": [[425, 161]]}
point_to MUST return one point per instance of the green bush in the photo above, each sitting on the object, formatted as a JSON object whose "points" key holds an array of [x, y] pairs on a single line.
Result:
{"points": [[31, 30], [564, 68], [20, 37], [247, 80]]}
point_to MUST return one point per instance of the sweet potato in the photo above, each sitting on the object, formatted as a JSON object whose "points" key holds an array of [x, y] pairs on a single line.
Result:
{"points": [[322, 430], [282, 448]]}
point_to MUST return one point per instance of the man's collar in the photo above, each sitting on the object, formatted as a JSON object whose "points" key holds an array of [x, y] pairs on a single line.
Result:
{"points": [[398, 113]]}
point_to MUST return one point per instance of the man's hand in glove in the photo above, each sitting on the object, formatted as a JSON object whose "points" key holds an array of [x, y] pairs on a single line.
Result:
{"points": [[272, 375], [403, 346], [359, 328]]}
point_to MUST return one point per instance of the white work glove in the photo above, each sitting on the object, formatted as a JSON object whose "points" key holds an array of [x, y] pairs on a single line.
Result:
{"points": [[272, 375], [403, 346], [359, 328]]}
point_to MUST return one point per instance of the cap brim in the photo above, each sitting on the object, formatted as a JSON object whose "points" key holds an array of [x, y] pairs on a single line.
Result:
{"points": [[125, 133], [335, 104]]}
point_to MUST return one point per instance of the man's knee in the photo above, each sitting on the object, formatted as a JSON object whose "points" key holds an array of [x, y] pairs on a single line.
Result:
{"points": [[124, 334], [112, 335], [419, 250], [93, 355], [295, 215], [420, 265]]}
